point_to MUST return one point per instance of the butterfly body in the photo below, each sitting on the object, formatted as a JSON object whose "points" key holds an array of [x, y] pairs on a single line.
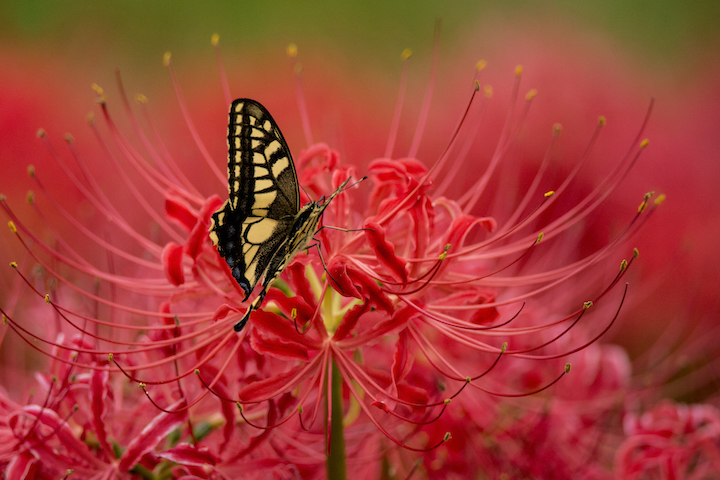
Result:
{"points": [[261, 226]]}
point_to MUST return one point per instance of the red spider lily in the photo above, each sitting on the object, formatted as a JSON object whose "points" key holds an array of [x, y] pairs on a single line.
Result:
{"points": [[671, 441], [423, 299]]}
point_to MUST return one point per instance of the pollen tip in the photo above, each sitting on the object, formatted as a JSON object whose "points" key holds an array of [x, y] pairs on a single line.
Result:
{"points": [[531, 94], [141, 98], [447, 437], [549, 194], [567, 368], [215, 39], [76, 407], [293, 313], [468, 379], [13, 229], [69, 472], [31, 171], [30, 197], [602, 121], [47, 298], [488, 91], [447, 400], [166, 58], [41, 133], [636, 252], [69, 138], [2, 197], [540, 237], [480, 65], [197, 372], [91, 118], [4, 319], [503, 348], [111, 357], [623, 265], [477, 86], [660, 199], [300, 409], [239, 405], [142, 385], [291, 50], [557, 128], [407, 53], [518, 70], [644, 143], [97, 89], [13, 264], [587, 304]]}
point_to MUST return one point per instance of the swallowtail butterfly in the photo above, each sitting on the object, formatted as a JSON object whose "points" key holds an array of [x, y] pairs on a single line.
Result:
{"points": [[261, 226]]}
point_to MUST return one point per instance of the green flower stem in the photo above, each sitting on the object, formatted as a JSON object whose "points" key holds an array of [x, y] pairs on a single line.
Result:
{"points": [[336, 464]]}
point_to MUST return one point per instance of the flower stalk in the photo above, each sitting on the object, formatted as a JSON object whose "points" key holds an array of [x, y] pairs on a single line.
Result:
{"points": [[336, 460]]}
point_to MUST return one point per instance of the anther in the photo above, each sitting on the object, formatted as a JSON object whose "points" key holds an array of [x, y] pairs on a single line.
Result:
{"points": [[660, 199], [531, 94], [644, 143], [587, 304], [405, 54], [540, 237], [557, 128], [447, 437], [549, 194], [166, 59], [97, 89], [214, 39], [30, 197], [141, 98], [518, 70], [623, 265], [31, 171], [47, 298], [41, 133], [91, 118], [291, 50], [488, 91], [602, 121], [477, 86], [69, 138], [567, 368], [13, 229], [480, 65], [636, 253], [110, 357]]}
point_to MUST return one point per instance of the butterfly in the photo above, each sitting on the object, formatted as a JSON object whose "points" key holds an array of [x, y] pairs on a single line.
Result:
{"points": [[261, 226]]}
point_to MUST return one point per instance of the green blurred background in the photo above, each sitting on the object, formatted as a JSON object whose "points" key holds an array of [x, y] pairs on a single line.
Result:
{"points": [[669, 35]]}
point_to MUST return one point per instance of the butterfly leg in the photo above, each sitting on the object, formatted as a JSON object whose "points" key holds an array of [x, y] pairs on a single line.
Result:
{"points": [[317, 245]]}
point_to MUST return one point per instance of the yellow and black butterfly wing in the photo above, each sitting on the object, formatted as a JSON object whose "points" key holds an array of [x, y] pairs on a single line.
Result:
{"points": [[264, 196]]}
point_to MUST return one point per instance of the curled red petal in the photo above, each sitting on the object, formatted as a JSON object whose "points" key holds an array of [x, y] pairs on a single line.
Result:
{"points": [[180, 212], [199, 234], [260, 390], [338, 270], [349, 321], [186, 454], [271, 324], [277, 347], [385, 252], [99, 399], [21, 467], [172, 259], [158, 428]]}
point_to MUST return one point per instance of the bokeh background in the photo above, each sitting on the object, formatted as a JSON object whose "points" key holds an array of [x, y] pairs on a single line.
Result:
{"points": [[587, 58]]}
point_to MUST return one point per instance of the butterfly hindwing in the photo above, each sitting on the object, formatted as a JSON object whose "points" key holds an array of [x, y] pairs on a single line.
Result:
{"points": [[263, 198]]}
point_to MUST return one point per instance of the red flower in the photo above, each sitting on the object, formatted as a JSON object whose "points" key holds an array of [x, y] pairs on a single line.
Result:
{"points": [[426, 297]]}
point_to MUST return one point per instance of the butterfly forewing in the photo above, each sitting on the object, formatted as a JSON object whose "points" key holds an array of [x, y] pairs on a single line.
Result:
{"points": [[264, 197]]}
